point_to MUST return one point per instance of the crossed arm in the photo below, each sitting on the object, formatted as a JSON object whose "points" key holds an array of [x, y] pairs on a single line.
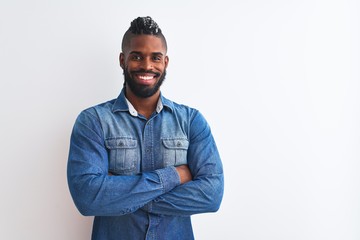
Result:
{"points": [[184, 174], [183, 190]]}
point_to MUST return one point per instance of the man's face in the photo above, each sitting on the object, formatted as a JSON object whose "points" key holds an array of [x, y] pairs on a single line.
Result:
{"points": [[144, 62]]}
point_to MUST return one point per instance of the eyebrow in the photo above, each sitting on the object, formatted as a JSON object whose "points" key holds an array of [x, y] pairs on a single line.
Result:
{"points": [[140, 53]]}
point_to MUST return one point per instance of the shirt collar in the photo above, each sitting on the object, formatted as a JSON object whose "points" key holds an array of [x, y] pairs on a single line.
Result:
{"points": [[123, 104]]}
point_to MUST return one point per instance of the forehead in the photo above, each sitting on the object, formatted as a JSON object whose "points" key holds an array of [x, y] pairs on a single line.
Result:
{"points": [[145, 44]]}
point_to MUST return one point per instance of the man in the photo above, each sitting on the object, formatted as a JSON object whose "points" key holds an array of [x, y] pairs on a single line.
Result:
{"points": [[142, 164]]}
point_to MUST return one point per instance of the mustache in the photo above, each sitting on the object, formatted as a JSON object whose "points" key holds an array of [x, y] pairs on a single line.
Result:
{"points": [[145, 71]]}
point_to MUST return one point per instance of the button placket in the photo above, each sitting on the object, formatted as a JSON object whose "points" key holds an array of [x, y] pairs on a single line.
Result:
{"points": [[147, 160]]}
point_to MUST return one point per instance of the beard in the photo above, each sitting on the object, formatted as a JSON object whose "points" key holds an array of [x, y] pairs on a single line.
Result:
{"points": [[141, 90]]}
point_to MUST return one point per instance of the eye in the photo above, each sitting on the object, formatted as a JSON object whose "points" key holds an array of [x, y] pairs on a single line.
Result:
{"points": [[135, 57], [157, 58]]}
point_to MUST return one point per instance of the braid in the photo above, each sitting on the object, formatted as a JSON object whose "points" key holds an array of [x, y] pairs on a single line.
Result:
{"points": [[143, 25]]}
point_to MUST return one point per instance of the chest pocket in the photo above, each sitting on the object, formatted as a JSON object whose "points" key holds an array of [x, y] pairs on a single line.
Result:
{"points": [[124, 155], [174, 151]]}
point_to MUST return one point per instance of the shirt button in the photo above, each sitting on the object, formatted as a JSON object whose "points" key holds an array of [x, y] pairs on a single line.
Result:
{"points": [[178, 144]]}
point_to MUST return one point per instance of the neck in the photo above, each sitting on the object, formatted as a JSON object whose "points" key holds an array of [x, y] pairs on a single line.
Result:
{"points": [[144, 106]]}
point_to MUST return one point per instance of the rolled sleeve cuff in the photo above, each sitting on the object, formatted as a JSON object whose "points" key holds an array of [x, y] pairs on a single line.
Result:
{"points": [[169, 178]]}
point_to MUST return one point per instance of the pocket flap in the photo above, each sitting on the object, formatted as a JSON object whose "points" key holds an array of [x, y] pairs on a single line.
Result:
{"points": [[115, 143], [176, 143]]}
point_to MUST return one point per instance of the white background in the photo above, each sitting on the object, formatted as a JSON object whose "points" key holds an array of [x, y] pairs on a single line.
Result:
{"points": [[278, 81]]}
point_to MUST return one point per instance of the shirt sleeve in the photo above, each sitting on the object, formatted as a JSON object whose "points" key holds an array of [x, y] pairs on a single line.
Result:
{"points": [[94, 192], [204, 193]]}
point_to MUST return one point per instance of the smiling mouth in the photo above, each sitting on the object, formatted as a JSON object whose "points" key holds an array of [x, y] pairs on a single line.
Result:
{"points": [[145, 77]]}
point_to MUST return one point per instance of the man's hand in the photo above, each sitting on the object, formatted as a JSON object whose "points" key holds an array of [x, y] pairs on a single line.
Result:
{"points": [[184, 173]]}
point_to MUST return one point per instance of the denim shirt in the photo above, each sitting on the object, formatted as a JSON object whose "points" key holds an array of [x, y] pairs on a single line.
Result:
{"points": [[121, 169]]}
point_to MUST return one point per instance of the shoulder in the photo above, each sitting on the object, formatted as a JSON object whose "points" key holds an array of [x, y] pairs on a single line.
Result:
{"points": [[192, 115], [180, 109], [94, 113], [198, 127], [105, 106], [184, 108]]}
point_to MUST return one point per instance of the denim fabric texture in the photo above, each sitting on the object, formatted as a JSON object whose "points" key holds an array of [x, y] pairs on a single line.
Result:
{"points": [[121, 169]]}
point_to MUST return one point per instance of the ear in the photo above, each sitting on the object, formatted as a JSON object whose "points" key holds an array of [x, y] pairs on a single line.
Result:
{"points": [[122, 60], [166, 61]]}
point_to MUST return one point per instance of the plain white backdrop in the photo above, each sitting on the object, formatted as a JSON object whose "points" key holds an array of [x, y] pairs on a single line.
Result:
{"points": [[278, 81]]}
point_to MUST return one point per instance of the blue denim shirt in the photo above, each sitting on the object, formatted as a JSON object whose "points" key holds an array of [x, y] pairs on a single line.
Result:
{"points": [[121, 169]]}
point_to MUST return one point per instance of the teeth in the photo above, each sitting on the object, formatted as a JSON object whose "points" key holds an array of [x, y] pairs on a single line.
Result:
{"points": [[146, 77]]}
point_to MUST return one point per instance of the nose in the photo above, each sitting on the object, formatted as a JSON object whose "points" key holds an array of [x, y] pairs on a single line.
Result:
{"points": [[147, 64]]}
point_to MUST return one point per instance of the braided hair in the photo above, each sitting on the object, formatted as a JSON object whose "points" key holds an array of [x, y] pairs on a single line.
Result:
{"points": [[143, 25]]}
